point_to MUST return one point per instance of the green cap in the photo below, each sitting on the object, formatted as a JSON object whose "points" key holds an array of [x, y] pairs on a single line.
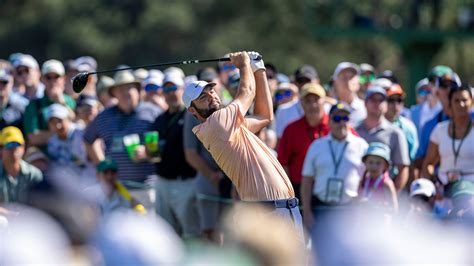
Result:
{"points": [[462, 187], [107, 164], [441, 71]]}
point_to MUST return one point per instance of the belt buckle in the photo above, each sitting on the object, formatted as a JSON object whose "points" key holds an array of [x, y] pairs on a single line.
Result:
{"points": [[291, 203]]}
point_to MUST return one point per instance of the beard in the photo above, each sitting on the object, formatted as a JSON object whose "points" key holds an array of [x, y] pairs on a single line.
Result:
{"points": [[205, 113]]}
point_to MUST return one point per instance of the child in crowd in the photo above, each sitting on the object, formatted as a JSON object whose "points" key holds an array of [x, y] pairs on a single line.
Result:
{"points": [[111, 195], [376, 187]]}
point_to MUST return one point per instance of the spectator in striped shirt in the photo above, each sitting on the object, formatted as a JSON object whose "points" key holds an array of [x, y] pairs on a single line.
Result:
{"points": [[120, 123]]}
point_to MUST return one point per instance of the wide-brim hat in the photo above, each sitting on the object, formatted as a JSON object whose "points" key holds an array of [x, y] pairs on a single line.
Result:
{"points": [[124, 77]]}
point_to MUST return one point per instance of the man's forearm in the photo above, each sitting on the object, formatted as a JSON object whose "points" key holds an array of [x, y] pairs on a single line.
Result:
{"points": [[402, 178], [95, 152], [39, 138], [197, 162], [263, 99], [306, 193]]}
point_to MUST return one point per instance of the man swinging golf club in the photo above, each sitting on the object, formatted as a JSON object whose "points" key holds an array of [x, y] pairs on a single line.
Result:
{"points": [[231, 140]]}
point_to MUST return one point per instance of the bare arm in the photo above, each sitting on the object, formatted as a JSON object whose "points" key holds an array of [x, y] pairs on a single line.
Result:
{"points": [[39, 138], [431, 159], [246, 91], [402, 177], [198, 163], [95, 152], [263, 109], [306, 195]]}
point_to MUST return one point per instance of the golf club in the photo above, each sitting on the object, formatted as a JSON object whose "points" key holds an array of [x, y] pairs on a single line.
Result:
{"points": [[79, 81]]}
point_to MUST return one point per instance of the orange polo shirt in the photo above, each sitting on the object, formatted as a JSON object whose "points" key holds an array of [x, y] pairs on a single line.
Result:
{"points": [[244, 158]]}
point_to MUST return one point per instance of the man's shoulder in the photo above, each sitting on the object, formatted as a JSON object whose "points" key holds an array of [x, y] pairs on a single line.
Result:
{"points": [[31, 172]]}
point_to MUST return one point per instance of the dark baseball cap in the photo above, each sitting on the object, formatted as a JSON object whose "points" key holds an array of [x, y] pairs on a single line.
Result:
{"points": [[306, 71], [340, 106]]}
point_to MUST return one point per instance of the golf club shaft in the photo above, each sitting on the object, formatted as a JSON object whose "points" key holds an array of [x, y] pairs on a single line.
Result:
{"points": [[223, 59]]}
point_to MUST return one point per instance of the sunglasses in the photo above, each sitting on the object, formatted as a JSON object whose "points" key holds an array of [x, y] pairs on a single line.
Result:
{"points": [[377, 99], [3, 82], [282, 95], [423, 92], [395, 100], [51, 77], [12, 145], [152, 87], [21, 71], [366, 78], [167, 89], [339, 118]]}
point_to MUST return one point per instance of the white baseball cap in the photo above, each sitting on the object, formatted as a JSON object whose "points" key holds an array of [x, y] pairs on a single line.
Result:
{"points": [[174, 78], [193, 90], [5, 75], [57, 110], [345, 65], [422, 186], [53, 66], [25, 60]]}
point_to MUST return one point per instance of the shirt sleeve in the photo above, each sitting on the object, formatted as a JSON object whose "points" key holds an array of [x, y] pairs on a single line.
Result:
{"points": [[284, 148], [30, 119], [91, 133], [400, 155], [308, 165], [435, 136], [190, 141]]}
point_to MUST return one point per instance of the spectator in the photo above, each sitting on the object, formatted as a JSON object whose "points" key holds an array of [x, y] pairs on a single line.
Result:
{"points": [[427, 106], [154, 99], [176, 185], [445, 79], [332, 168], [35, 123], [66, 148], [293, 111], [346, 85], [462, 194], [16, 175], [111, 195], [113, 125], [37, 158], [286, 94], [376, 187], [103, 85], [272, 73], [86, 111], [12, 104], [375, 128], [208, 179], [422, 196], [396, 97], [299, 135], [367, 76], [27, 77], [452, 141]]}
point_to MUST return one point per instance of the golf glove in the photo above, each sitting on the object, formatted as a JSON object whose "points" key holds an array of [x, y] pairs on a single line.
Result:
{"points": [[255, 62]]}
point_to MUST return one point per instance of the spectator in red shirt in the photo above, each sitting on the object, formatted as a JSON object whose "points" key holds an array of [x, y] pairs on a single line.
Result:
{"points": [[300, 134]]}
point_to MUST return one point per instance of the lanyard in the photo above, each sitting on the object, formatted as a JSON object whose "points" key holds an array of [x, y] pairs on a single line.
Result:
{"points": [[367, 190], [453, 146], [337, 162]]}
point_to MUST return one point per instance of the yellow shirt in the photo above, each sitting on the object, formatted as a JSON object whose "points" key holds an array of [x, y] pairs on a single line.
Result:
{"points": [[244, 158]]}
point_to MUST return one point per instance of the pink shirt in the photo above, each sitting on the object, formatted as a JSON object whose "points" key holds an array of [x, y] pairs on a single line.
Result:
{"points": [[247, 161]]}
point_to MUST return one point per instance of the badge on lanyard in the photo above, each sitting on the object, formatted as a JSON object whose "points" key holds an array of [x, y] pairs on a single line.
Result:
{"points": [[334, 190]]}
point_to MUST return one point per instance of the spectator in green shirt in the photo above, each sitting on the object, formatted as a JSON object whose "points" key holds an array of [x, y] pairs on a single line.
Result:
{"points": [[16, 175], [35, 124]]}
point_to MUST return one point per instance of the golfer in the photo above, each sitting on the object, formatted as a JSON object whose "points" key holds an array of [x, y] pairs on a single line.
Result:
{"points": [[231, 140]]}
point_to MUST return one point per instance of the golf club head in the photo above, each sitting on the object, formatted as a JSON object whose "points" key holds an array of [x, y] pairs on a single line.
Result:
{"points": [[79, 82]]}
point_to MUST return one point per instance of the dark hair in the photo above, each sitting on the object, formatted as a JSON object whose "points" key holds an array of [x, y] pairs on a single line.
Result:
{"points": [[271, 66], [454, 89]]}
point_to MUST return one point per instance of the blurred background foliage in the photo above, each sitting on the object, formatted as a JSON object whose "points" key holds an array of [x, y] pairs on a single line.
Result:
{"points": [[385, 33]]}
